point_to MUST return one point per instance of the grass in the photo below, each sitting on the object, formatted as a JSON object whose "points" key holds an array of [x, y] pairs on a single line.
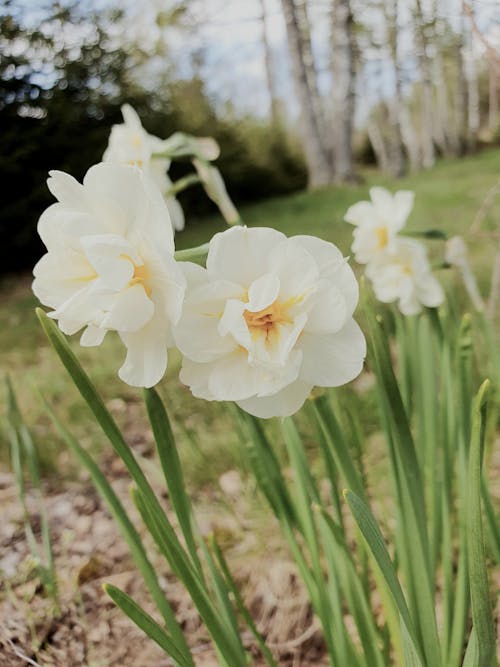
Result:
{"points": [[447, 198]]}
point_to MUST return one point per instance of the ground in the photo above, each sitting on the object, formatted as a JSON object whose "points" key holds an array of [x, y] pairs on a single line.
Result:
{"points": [[89, 631]]}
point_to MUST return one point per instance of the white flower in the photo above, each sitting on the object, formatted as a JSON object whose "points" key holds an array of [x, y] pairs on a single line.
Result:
{"points": [[269, 318], [378, 221], [129, 143], [404, 275], [216, 189], [110, 265]]}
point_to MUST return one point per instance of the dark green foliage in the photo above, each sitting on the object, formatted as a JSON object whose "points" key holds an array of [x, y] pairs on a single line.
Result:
{"points": [[59, 99]]}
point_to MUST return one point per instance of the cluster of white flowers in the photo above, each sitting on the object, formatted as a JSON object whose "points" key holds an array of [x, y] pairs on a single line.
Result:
{"points": [[266, 320], [130, 144], [398, 267]]}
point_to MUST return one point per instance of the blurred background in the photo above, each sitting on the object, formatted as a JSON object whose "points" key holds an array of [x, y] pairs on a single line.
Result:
{"points": [[298, 93]]}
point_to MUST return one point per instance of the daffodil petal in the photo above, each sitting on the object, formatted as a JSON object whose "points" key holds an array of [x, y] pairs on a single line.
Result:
{"points": [[282, 404], [334, 359], [240, 254]]}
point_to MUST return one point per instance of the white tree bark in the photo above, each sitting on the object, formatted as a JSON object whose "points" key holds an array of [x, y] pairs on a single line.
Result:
{"points": [[344, 94], [313, 141], [274, 104], [473, 119], [378, 144], [459, 142], [310, 67], [427, 130], [442, 116], [493, 105], [410, 139], [397, 158]]}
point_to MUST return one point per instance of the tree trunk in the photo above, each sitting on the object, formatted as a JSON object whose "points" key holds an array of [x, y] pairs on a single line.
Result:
{"points": [[473, 119], [274, 104], [397, 158], [493, 106], [442, 124], [378, 144], [314, 144], [410, 139], [427, 130], [460, 98], [344, 93], [308, 57]]}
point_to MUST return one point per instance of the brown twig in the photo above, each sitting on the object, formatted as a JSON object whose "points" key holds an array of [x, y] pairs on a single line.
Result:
{"points": [[20, 654]]}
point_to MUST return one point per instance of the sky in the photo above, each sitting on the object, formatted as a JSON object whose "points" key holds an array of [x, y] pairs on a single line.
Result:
{"points": [[228, 36], [229, 33]]}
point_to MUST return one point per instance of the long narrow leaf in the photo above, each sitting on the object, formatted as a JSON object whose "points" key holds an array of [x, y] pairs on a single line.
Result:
{"points": [[373, 537], [172, 470], [482, 616], [147, 624], [130, 535]]}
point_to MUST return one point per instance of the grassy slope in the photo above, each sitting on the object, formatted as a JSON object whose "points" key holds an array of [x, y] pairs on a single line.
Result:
{"points": [[447, 197]]}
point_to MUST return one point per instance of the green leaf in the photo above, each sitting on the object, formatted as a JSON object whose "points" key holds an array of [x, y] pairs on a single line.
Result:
{"points": [[410, 655], [23, 448], [334, 444], [147, 624], [129, 533], [482, 616], [471, 657], [266, 653], [172, 470], [221, 632], [373, 537]]}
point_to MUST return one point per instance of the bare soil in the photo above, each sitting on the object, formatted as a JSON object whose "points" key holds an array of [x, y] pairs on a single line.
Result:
{"points": [[88, 630]]}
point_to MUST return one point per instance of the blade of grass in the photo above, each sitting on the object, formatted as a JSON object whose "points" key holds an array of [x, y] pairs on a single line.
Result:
{"points": [[146, 623]]}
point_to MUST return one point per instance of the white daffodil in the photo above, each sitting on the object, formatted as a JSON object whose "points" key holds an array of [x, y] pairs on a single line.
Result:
{"points": [[378, 221], [215, 188], [130, 144], [404, 275], [110, 265], [269, 318]]}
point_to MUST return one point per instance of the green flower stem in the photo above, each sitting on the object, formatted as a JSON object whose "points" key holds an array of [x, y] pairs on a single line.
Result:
{"points": [[197, 254]]}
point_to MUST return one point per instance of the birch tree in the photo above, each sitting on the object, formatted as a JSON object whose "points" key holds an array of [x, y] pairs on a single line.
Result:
{"points": [[427, 129], [396, 111], [274, 103], [344, 93], [314, 143]]}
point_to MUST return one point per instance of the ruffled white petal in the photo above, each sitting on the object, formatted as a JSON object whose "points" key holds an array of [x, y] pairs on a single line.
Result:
{"points": [[92, 336], [240, 254], [146, 360], [282, 404], [263, 292], [131, 310], [333, 360], [296, 269], [329, 311]]}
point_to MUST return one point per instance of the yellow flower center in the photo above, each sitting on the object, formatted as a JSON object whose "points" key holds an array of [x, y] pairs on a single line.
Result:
{"points": [[140, 277], [382, 237], [264, 320]]}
